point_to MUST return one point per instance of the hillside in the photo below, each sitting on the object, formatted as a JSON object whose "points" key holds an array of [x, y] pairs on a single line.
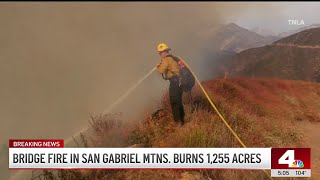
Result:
{"points": [[295, 57], [220, 44], [289, 33], [264, 112], [309, 37], [232, 37], [215, 63]]}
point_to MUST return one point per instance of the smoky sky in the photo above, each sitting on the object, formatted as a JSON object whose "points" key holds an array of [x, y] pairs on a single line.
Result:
{"points": [[274, 16], [61, 62]]}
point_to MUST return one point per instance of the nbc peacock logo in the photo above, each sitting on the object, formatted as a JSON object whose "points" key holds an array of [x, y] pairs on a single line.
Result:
{"points": [[297, 163], [288, 158]]}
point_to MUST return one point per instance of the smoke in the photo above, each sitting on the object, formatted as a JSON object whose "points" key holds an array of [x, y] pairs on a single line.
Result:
{"points": [[61, 62]]}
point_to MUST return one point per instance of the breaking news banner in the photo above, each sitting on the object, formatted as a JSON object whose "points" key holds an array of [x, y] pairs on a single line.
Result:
{"points": [[51, 154], [39, 143]]}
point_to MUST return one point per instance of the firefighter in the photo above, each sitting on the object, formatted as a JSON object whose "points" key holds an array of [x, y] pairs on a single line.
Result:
{"points": [[169, 69]]}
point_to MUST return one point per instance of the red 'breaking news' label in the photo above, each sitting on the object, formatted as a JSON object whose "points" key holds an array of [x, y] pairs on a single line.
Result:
{"points": [[290, 158], [36, 143]]}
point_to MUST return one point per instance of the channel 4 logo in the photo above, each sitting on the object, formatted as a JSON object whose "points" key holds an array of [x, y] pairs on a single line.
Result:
{"points": [[290, 158]]}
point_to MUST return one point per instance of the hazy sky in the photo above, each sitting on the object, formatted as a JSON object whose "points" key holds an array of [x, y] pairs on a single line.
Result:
{"points": [[275, 15]]}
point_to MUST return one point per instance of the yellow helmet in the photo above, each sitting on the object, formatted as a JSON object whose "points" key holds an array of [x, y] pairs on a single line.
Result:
{"points": [[162, 47]]}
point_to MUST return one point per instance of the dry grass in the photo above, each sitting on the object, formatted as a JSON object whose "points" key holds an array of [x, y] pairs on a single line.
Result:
{"points": [[110, 131], [263, 113]]}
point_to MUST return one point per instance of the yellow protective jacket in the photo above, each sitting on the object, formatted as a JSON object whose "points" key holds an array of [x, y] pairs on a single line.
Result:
{"points": [[169, 67]]}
